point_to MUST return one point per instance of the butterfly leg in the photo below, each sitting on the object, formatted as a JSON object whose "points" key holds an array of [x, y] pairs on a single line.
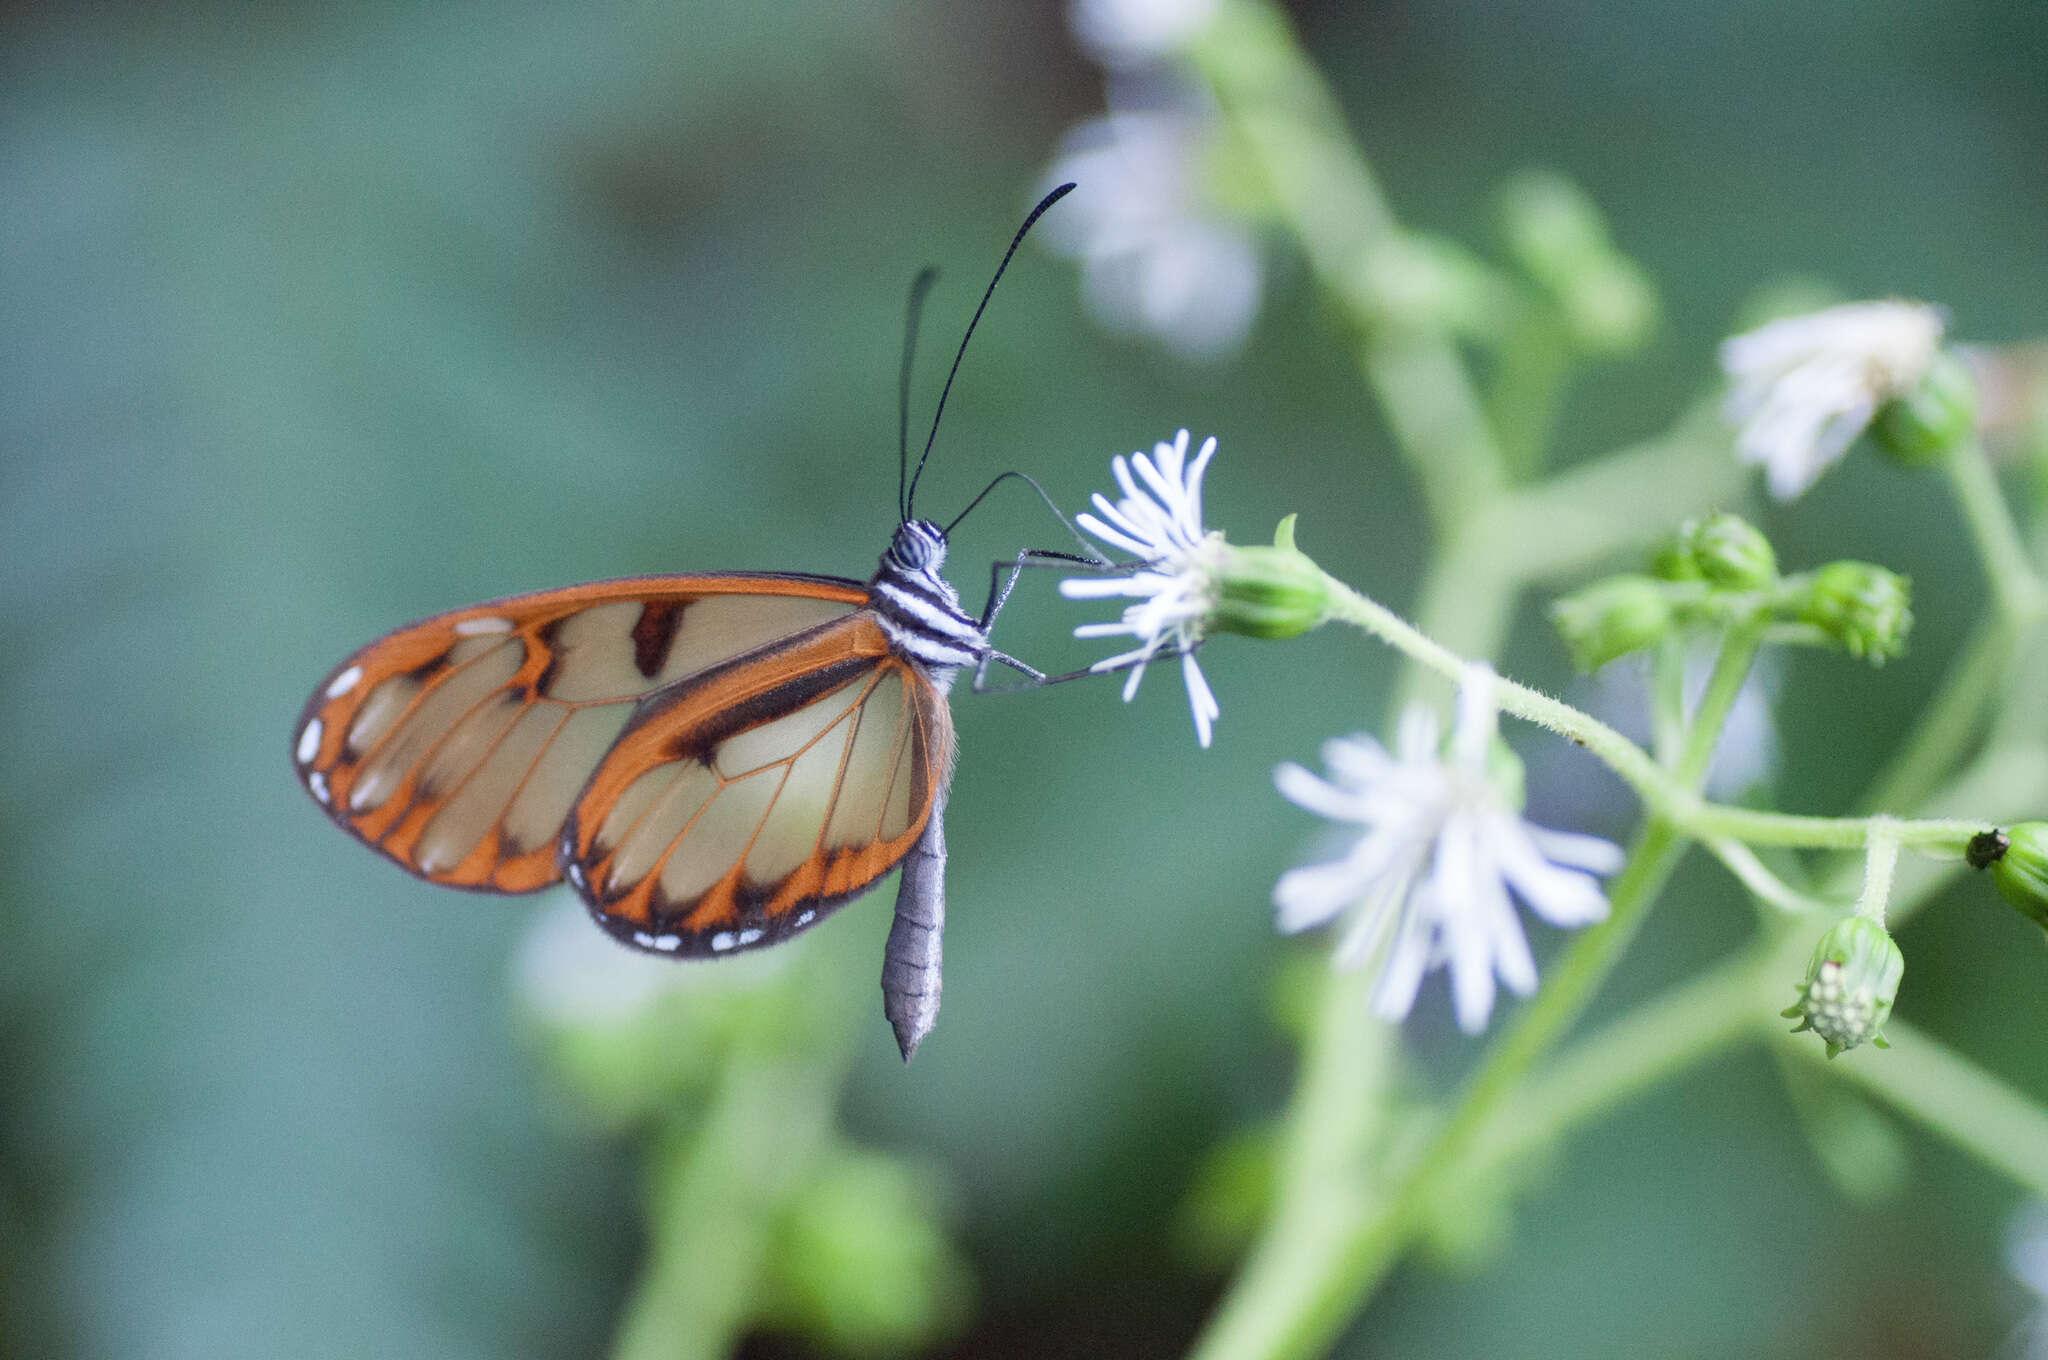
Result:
{"points": [[1036, 679], [911, 959], [999, 589]]}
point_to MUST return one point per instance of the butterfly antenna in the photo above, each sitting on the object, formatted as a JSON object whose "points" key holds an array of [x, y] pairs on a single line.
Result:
{"points": [[1015, 241], [1094, 555], [919, 287]]}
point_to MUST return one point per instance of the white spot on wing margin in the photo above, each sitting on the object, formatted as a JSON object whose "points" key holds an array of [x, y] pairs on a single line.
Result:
{"points": [[343, 683], [309, 741]]}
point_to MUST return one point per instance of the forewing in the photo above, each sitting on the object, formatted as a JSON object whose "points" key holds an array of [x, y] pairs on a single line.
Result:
{"points": [[457, 745], [738, 809]]}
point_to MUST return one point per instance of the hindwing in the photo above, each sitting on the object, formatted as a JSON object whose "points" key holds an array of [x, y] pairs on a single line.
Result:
{"points": [[741, 806]]}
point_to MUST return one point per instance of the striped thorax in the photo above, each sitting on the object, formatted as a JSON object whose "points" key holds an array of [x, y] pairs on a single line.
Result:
{"points": [[918, 610]]}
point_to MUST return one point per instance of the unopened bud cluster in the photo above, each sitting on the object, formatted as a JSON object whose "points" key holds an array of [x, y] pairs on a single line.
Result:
{"points": [[1719, 568], [1861, 606], [1851, 982]]}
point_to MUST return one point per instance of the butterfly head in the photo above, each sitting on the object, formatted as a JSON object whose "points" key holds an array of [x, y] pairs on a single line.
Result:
{"points": [[919, 546]]}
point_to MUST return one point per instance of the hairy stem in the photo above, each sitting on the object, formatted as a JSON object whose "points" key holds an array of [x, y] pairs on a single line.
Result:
{"points": [[1666, 794]]}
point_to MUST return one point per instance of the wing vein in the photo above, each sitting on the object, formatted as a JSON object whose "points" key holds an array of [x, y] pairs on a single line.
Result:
{"points": [[415, 773], [903, 723], [860, 712], [426, 691]]}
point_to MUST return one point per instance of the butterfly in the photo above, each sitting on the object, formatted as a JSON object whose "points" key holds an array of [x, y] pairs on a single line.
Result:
{"points": [[713, 762]]}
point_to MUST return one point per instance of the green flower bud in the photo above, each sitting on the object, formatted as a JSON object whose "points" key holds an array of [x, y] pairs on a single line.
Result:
{"points": [[1862, 606], [1611, 618], [1931, 421], [1672, 560], [2018, 860], [1274, 592], [1612, 310], [1850, 985], [1551, 226], [1729, 551]]}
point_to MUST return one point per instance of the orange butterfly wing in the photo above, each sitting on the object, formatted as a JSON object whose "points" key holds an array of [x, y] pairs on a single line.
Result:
{"points": [[740, 808], [456, 746]]}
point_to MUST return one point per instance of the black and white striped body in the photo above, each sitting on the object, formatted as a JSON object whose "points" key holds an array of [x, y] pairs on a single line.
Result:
{"points": [[921, 614]]}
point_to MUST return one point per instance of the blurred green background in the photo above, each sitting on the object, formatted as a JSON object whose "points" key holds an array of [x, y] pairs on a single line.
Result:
{"points": [[317, 318]]}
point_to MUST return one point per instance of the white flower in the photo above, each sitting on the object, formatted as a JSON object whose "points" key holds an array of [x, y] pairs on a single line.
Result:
{"points": [[1158, 521], [1428, 882], [1806, 386], [1127, 33], [1156, 256]]}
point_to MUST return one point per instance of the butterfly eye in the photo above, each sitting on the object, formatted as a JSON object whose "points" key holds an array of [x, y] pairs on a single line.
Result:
{"points": [[919, 545]]}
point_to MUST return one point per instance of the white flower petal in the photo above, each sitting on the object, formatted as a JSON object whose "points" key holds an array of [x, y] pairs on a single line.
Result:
{"points": [[1303, 789], [1138, 584], [1416, 740], [1311, 896], [1407, 961], [1201, 699], [1193, 481], [1127, 541], [1577, 850]]}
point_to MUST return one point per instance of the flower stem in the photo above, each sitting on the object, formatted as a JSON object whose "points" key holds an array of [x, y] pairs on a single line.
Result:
{"points": [[1275, 99], [1731, 668], [1631, 1054], [714, 1198], [1671, 798], [1880, 862], [1323, 1197], [1766, 886], [1667, 700], [2021, 595], [1304, 1321], [1535, 361]]}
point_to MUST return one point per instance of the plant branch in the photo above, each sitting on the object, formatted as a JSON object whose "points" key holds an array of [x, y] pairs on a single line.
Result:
{"points": [[2021, 596], [1944, 1090]]}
